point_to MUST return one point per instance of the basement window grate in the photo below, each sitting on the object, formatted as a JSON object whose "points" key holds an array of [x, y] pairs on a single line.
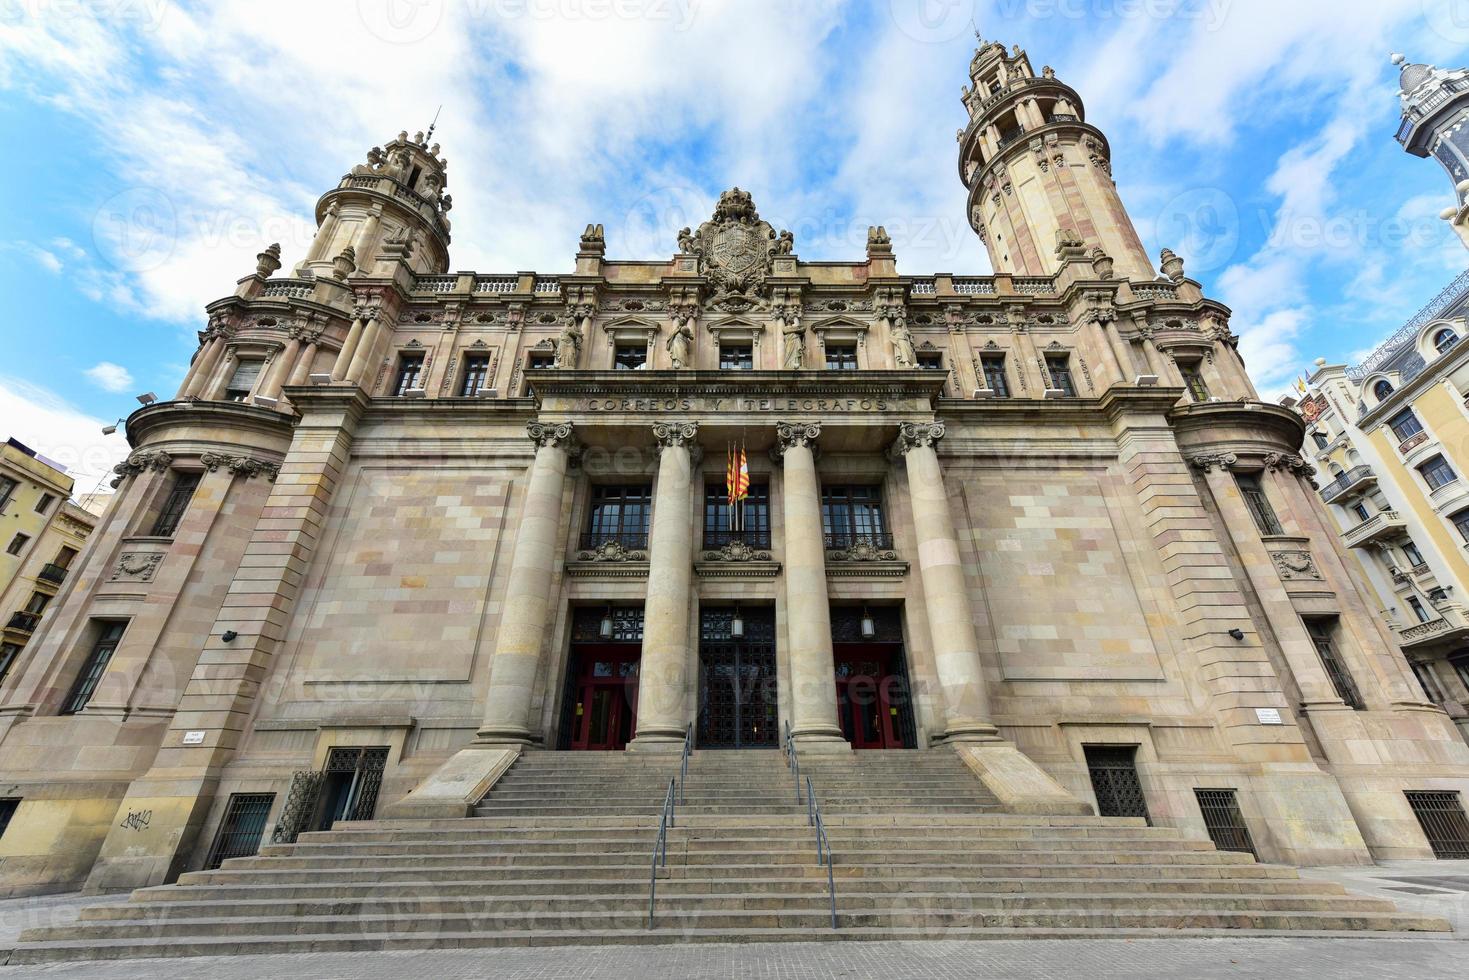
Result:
{"points": [[1223, 820], [1441, 816], [1113, 769], [241, 829]]}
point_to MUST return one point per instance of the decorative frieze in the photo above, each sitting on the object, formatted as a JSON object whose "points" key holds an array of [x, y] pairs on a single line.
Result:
{"points": [[737, 551], [612, 551], [136, 566], [148, 459], [1296, 564]]}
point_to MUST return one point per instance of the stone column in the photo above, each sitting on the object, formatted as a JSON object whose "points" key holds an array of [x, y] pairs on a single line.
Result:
{"points": [[523, 617], [202, 367], [813, 695], [663, 670], [349, 346], [945, 591], [280, 367], [362, 358], [301, 373]]}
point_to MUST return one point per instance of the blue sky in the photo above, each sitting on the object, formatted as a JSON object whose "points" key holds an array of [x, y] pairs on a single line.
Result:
{"points": [[156, 146]]}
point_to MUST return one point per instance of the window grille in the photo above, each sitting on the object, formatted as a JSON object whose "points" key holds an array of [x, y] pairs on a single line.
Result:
{"points": [[1223, 820], [1441, 815]]}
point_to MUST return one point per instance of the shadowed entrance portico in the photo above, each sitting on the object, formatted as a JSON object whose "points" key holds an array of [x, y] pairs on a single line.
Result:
{"points": [[738, 703]]}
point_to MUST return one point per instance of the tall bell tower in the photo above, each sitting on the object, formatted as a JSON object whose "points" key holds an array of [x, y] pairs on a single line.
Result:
{"points": [[393, 206], [1037, 173], [1435, 123]]}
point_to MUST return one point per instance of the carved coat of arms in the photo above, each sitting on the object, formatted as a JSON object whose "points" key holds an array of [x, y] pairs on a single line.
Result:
{"points": [[735, 250]]}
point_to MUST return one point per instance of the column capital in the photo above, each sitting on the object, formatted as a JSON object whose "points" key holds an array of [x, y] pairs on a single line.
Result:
{"points": [[789, 435], [1207, 461], [673, 435], [1289, 461], [553, 434], [912, 435]]}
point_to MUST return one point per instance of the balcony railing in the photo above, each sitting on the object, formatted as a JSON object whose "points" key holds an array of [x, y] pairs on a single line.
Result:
{"points": [[52, 573], [23, 621], [1346, 481], [847, 546], [1010, 136], [753, 537], [631, 540], [1384, 524]]}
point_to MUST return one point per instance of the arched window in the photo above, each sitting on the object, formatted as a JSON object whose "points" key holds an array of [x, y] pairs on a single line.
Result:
{"points": [[1444, 339], [1382, 389]]}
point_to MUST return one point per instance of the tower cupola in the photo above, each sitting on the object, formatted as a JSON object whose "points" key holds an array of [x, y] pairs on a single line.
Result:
{"points": [[1037, 173], [1435, 104], [394, 206]]}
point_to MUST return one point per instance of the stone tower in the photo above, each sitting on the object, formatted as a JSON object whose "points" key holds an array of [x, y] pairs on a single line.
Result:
{"points": [[1037, 173], [1435, 109], [392, 206]]}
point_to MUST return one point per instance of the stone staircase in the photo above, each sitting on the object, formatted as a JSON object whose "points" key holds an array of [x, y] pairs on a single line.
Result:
{"points": [[559, 853]]}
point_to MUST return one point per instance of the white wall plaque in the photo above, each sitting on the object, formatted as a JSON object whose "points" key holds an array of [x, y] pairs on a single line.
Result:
{"points": [[193, 738], [1268, 716]]}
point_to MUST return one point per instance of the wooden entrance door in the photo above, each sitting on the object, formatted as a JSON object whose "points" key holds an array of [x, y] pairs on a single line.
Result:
{"points": [[606, 694], [870, 696]]}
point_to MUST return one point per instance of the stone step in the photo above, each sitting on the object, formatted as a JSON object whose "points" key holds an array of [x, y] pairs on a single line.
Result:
{"points": [[88, 949], [802, 831], [371, 922], [635, 899]]}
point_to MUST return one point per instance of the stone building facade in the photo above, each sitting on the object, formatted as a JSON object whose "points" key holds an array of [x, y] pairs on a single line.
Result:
{"points": [[431, 520], [42, 532]]}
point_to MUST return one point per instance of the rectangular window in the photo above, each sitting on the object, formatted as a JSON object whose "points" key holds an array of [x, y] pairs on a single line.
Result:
{"points": [[1405, 425], [242, 382], [1113, 769], [841, 357], [174, 505], [410, 369], [45, 502], [476, 374], [1414, 556], [1428, 681], [1321, 442], [1322, 633], [38, 603], [241, 829], [753, 526], [541, 362], [1418, 610], [1058, 366], [629, 357], [1437, 473], [1259, 505], [1193, 381], [19, 542], [931, 361], [736, 357], [7, 490], [1223, 820], [1461, 667], [7, 812], [1360, 511], [619, 515], [94, 668], [8, 653], [1441, 815], [852, 516], [994, 374]]}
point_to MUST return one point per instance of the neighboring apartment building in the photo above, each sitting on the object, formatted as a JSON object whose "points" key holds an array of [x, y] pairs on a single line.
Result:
{"points": [[42, 533], [1391, 435]]}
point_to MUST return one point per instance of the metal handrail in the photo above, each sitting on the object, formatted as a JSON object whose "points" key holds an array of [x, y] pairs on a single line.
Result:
{"points": [[660, 848], [683, 763], [823, 846], [792, 761]]}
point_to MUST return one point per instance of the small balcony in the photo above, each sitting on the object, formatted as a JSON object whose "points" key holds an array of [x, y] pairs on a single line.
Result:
{"points": [[1355, 480], [1009, 136], [715, 538], [1387, 524], [1450, 625], [23, 622], [864, 546], [613, 546], [54, 574]]}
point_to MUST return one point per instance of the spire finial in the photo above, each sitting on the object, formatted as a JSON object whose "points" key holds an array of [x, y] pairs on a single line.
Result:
{"points": [[435, 122]]}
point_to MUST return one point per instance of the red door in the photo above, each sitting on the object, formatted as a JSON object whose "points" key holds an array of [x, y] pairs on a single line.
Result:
{"points": [[869, 695], [605, 712]]}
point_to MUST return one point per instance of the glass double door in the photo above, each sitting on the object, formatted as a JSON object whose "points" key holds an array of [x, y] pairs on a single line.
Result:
{"points": [[738, 690]]}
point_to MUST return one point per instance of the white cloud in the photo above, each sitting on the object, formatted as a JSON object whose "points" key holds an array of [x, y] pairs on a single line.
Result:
{"points": [[53, 427], [109, 376]]}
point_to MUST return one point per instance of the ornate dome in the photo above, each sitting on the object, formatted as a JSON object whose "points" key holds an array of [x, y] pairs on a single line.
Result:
{"points": [[1413, 75]]}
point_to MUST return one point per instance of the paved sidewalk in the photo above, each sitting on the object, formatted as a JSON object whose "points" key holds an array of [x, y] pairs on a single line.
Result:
{"points": [[1196, 959], [1438, 888], [19, 914]]}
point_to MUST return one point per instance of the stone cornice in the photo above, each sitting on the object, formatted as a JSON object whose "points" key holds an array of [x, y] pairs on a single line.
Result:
{"points": [[1243, 427], [151, 422]]}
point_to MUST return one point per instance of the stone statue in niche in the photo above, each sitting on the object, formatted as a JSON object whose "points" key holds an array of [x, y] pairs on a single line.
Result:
{"points": [[568, 345], [793, 335], [903, 354], [681, 341]]}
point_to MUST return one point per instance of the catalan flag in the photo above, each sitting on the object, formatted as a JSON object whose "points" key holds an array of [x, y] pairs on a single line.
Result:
{"points": [[742, 476]]}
